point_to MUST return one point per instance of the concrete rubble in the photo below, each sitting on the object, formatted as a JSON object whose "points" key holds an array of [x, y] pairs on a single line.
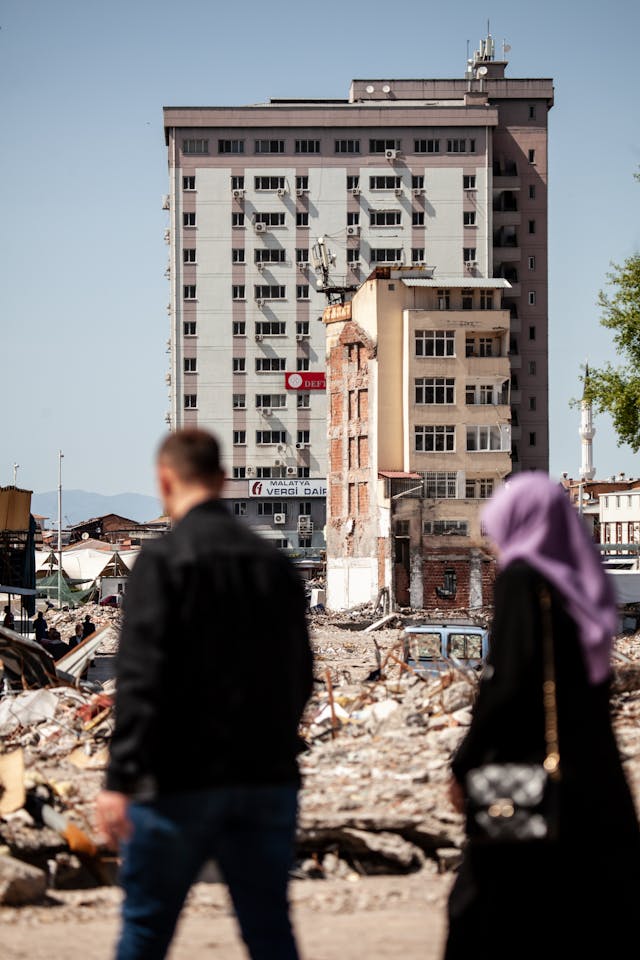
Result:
{"points": [[375, 772]]}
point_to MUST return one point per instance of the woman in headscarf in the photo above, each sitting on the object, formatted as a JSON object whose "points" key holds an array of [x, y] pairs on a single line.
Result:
{"points": [[577, 895]]}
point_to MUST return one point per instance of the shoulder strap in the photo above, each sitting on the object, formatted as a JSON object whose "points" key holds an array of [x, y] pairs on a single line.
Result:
{"points": [[552, 756]]}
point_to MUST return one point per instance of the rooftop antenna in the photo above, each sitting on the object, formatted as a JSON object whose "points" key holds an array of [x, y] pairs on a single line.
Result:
{"points": [[323, 259]]}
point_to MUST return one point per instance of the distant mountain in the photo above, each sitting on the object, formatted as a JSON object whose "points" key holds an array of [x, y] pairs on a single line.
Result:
{"points": [[78, 505]]}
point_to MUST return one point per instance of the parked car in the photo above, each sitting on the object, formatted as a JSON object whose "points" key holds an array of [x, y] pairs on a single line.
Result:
{"points": [[435, 647], [111, 601]]}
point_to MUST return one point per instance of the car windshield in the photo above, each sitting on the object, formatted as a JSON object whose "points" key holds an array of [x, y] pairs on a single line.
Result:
{"points": [[425, 646], [465, 646]]}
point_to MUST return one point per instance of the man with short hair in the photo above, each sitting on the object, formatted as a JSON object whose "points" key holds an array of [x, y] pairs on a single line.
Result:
{"points": [[203, 760]]}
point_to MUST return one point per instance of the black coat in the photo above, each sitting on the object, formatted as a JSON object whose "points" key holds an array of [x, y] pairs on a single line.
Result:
{"points": [[214, 666], [505, 899]]}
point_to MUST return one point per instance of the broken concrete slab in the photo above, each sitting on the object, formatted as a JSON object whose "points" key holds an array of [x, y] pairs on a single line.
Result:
{"points": [[20, 883]]}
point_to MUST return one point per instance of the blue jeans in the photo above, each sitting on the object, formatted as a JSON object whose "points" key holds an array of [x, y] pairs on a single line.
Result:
{"points": [[249, 832]]}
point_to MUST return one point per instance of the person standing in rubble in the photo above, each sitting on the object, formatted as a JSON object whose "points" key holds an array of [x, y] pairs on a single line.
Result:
{"points": [[9, 620], [40, 628], [88, 627], [203, 758], [574, 894]]}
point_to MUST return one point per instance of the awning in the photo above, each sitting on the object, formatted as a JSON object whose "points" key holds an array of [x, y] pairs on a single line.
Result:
{"points": [[475, 283]]}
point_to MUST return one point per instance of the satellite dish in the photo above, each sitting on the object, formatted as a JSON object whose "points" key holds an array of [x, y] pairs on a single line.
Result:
{"points": [[85, 535], [482, 71], [370, 88], [386, 88]]}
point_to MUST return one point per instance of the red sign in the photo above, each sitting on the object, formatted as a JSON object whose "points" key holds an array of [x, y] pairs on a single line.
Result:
{"points": [[303, 380]]}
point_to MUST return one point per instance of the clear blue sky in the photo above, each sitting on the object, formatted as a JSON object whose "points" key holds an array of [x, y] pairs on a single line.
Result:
{"points": [[82, 86]]}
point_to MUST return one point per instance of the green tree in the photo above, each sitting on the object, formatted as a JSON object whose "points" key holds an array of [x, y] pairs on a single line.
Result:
{"points": [[616, 389]]}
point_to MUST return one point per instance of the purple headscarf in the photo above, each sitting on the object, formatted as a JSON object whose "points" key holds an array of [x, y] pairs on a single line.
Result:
{"points": [[530, 518]]}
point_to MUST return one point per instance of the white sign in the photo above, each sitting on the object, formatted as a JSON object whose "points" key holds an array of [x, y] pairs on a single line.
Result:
{"points": [[288, 488]]}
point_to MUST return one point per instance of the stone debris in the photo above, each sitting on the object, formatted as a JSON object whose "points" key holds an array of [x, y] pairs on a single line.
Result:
{"points": [[20, 883]]}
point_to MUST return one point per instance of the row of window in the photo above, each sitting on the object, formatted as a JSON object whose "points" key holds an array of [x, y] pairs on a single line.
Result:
{"points": [[267, 508], [201, 145], [274, 401], [276, 182], [444, 486], [441, 439], [270, 437]]}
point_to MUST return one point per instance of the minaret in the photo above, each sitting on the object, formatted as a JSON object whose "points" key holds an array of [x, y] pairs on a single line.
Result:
{"points": [[587, 432]]}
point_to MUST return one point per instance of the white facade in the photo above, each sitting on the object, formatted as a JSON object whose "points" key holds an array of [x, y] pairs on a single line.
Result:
{"points": [[620, 517]]}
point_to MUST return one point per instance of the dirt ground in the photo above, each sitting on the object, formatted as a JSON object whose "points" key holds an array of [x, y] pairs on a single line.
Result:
{"points": [[374, 917]]}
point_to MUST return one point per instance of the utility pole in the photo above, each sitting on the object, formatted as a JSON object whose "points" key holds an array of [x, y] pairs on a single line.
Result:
{"points": [[60, 456]]}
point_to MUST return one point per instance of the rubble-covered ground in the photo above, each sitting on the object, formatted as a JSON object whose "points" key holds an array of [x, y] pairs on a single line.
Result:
{"points": [[377, 840]]}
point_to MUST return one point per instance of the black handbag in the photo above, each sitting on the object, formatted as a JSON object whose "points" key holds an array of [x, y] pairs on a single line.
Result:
{"points": [[518, 802]]}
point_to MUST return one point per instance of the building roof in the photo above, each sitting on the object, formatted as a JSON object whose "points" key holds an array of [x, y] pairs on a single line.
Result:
{"points": [[483, 283], [399, 475]]}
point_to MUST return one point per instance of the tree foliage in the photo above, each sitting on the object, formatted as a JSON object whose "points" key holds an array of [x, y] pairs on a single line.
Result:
{"points": [[616, 389]]}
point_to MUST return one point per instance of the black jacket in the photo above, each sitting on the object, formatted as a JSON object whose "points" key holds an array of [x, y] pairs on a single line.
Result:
{"points": [[214, 666]]}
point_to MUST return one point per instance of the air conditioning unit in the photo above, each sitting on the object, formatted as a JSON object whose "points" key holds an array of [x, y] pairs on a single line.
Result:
{"points": [[238, 194], [300, 192], [266, 411], [282, 192], [353, 230], [418, 191], [470, 264], [280, 518], [302, 264], [398, 191], [166, 202], [355, 264], [259, 336], [278, 463], [167, 236], [251, 471], [299, 336], [260, 265], [391, 154], [259, 302], [292, 471], [355, 191], [301, 446], [260, 227], [305, 524]]}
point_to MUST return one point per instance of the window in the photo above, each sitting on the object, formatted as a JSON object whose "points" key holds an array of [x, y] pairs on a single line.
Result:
{"points": [[385, 183], [532, 263], [239, 473], [271, 328], [302, 291], [271, 436], [532, 298], [468, 181], [353, 182], [189, 291], [303, 436], [267, 508], [435, 390], [461, 146], [444, 299], [532, 368], [239, 401], [532, 191], [353, 254], [435, 343], [270, 364], [269, 291], [230, 146], [386, 254], [190, 401], [239, 438], [237, 255], [189, 183], [237, 219], [485, 347], [347, 146], [269, 255], [353, 218], [189, 255], [434, 439], [481, 489], [302, 328], [467, 299], [417, 218], [532, 111], [307, 146], [189, 328], [532, 333], [304, 401], [442, 486], [304, 508], [379, 146], [302, 219], [302, 363], [271, 400], [532, 403], [269, 183], [469, 218], [486, 299], [240, 508], [195, 145], [532, 438], [442, 528], [532, 226], [304, 472], [302, 254], [190, 364], [302, 182], [239, 328], [239, 365], [482, 439], [417, 255], [417, 182], [270, 219], [426, 146], [238, 291], [384, 218], [532, 156], [269, 146], [469, 254], [188, 219], [237, 183]]}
